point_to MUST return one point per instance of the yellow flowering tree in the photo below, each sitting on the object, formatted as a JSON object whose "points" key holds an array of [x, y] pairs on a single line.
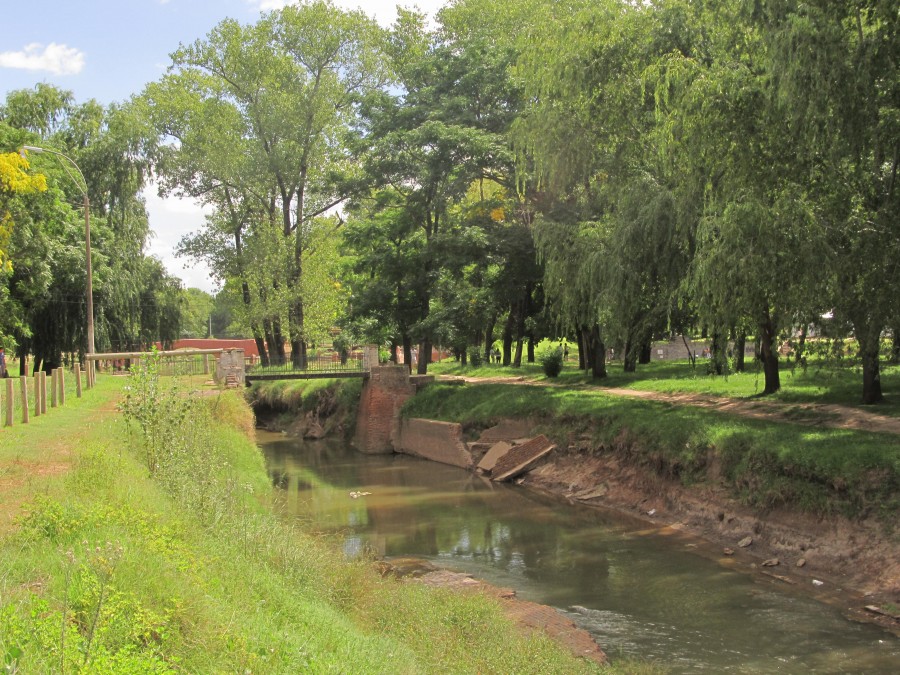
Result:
{"points": [[14, 181]]}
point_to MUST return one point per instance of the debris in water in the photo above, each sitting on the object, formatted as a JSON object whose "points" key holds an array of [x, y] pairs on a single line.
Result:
{"points": [[745, 542], [651, 512], [801, 562], [357, 495], [771, 562], [728, 551], [816, 582]]}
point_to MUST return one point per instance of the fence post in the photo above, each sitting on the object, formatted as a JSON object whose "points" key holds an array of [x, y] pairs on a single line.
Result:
{"points": [[206, 364], [37, 394], [23, 385], [9, 402], [62, 386], [88, 371], [77, 380], [43, 392], [54, 390]]}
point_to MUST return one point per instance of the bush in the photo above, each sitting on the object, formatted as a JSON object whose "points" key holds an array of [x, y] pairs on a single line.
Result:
{"points": [[552, 361], [476, 358]]}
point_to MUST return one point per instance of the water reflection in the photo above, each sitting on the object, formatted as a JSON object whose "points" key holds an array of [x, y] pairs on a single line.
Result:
{"points": [[640, 593]]}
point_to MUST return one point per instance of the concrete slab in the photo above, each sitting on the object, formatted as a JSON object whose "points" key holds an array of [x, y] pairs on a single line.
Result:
{"points": [[519, 458], [497, 451]]}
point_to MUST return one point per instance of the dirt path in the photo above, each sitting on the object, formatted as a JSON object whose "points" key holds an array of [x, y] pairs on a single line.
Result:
{"points": [[828, 415]]}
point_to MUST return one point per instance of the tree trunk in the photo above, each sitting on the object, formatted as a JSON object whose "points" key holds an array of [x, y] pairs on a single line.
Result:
{"points": [[768, 354], [394, 352], [718, 359], [629, 357], [489, 339], [895, 346], [298, 344], [278, 336], [598, 353], [424, 357], [260, 346], [799, 358], [271, 345], [508, 338], [530, 355], [463, 357], [407, 352], [517, 360], [869, 348], [740, 343], [582, 350], [646, 354]]}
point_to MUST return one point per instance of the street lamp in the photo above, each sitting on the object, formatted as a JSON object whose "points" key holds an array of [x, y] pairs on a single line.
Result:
{"points": [[87, 238]]}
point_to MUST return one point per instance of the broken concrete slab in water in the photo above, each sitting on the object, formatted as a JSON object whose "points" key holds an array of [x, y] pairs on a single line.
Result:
{"points": [[497, 451], [521, 457]]}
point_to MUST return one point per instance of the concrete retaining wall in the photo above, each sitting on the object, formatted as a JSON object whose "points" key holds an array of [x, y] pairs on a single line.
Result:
{"points": [[437, 441]]}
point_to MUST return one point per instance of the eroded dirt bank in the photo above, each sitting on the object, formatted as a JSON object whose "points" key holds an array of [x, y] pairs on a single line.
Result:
{"points": [[852, 564]]}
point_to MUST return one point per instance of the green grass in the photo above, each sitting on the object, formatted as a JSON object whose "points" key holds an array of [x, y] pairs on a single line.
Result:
{"points": [[764, 463], [818, 383], [113, 570]]}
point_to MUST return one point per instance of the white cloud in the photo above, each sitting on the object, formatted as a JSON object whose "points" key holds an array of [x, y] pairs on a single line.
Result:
{"points": [[384, 11], [54, 58], [170, 219]]}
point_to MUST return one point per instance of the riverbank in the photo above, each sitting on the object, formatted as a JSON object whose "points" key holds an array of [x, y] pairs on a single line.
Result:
{"points": [[152, 548], [818, 508]]}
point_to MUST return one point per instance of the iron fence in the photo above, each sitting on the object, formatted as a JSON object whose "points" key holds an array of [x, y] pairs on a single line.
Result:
{"points": [[329, 363]]}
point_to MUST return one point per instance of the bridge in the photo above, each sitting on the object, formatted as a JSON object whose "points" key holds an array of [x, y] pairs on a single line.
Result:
{"points": [[330, 366]]}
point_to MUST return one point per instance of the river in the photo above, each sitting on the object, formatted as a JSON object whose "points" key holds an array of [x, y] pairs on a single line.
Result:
{"points": [[654, 594]]}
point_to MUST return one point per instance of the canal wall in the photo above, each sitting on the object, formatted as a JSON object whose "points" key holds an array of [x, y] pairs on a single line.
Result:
{"points": [[438, 441]]}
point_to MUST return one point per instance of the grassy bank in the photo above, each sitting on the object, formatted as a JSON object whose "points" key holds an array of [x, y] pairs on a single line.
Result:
{"points": [[287, 403], [149, 548], [765, 464], [819, 382]]}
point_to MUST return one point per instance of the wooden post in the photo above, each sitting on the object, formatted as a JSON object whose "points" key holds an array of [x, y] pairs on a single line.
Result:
{"points": [[37, 394], [62, 386], [78, 380], [88, 369], [43, 392], [54, 391], [9, 402], [23, 384], [206, 364]]}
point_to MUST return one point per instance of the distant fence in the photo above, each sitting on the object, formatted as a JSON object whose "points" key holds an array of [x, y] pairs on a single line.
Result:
{"points": [[175, 362], [23, 398], [324, 365]]}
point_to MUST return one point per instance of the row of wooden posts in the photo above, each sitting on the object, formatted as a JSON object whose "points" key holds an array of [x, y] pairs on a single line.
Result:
{"points": [[57, 381], [57, 392]]}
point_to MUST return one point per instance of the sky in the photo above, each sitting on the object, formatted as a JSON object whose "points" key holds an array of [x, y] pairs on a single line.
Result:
{"points": [[109, 50]]}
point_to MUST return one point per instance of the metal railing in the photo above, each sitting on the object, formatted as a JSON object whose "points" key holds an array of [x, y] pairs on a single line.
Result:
{"points": [[329, 363], [171, 363]]}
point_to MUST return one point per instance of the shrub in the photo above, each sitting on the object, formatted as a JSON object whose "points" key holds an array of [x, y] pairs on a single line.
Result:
{"points": [[476, 358], [552, 361]]}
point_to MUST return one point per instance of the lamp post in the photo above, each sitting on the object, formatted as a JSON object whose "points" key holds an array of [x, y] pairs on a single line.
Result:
{"points": [[87, 238]]}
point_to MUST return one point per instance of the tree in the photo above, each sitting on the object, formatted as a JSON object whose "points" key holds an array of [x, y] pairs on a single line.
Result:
{"points": [[834, 66], [259, 113]]}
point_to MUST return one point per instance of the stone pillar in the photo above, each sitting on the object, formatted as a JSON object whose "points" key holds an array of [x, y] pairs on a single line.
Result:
{"points": [[378, 418], [371, 356], [230, 368]]}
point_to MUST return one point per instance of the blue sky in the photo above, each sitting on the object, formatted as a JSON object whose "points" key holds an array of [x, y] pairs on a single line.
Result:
{"points": [[109, 49]]}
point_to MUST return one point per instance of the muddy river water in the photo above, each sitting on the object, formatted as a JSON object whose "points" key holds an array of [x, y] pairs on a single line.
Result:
{"points": [[640, 591]]}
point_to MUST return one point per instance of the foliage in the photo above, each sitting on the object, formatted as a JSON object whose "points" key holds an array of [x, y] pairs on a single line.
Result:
{"points": [[551, 360], [14, 180]]}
